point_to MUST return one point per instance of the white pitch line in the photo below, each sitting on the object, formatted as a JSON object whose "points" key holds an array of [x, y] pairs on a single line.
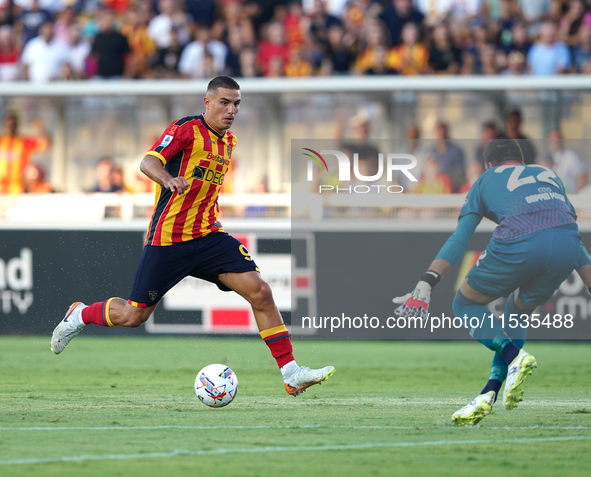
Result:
{"points": [[180, 452], [308, 426]]}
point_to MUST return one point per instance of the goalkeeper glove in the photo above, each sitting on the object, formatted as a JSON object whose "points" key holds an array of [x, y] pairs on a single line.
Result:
{"points": [[416, 303]]}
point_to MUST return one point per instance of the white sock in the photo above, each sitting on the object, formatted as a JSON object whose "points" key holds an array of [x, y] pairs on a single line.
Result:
{"points": [[77, 317], [288, 370]]}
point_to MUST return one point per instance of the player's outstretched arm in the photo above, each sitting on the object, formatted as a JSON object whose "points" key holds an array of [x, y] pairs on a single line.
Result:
{"points": [[416, 303], [152, 167]]}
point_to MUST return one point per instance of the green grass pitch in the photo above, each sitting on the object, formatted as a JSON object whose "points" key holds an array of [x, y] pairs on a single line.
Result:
{"points": [[125, 406]]}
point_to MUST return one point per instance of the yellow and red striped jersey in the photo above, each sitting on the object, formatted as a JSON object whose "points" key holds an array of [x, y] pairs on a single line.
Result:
{"points": [[190, 147], [15, 153]]}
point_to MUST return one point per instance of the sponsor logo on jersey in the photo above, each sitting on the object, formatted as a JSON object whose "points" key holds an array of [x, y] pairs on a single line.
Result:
{"points": [[219, 159], [203, 174]]}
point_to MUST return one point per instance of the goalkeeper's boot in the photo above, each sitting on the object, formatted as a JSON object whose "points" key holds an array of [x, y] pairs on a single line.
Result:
{"points": [[519, 369], [69, 327], [473, 412], [304, 377]]}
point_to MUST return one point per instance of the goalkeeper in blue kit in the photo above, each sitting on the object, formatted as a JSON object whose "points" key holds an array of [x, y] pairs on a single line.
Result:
{"points": [[534, 248]]}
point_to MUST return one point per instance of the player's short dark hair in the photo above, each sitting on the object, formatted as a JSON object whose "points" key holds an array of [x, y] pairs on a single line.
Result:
{"points": [[502, 150], [222, 82]]}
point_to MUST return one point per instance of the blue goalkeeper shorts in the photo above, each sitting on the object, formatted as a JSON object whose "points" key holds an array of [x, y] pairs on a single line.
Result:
{"points": [[536, 264]]}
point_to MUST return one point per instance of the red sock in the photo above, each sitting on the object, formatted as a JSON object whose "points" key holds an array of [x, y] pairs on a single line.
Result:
{"points": [[97, 314], [279, 343]]}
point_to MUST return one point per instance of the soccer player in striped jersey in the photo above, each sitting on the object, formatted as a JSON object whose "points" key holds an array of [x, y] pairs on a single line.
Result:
{"points": [[185, 238], [534, 248]]}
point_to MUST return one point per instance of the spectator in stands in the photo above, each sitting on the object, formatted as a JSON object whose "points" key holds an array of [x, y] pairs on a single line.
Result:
{"points": [[582, 52], [169, 58], [464, 10], [438, 10], [54, 6], [520, 40], [415, 148], [491, 9], [474, 170], [194, 53], [65, 19], [444, 57], [488, 60], [369, 56], [118, 181], [571, 23], [143, 47], [339, 50], [262, 11], [34, 180], [273, 46], [111, 49], [513, 130], [381, 63], [294, 26], [515, 64], [506, 24], [433, 181], [449, 157], [488, 132], [43, 56], [548, 56], [79, 51], [410, 57], [202, 12], [8, 13], [276, 67], [397, 14], [357, 139], [16, 152], [9, 55], [534, 12], [235, 45], [321, 22], [249, 67], [298, 65], [104, 175], [31, 19], [566, 163], [160, 26]]}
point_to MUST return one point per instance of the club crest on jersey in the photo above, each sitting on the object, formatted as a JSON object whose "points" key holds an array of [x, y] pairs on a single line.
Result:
{"points": [[229, 150], [166, 141]]}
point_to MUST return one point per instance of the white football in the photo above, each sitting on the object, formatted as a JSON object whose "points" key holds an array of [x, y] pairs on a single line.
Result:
{"points": [[216, 385]]}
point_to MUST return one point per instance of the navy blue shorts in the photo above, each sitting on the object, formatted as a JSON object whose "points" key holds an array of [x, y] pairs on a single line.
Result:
{"points": [[162, 267]]}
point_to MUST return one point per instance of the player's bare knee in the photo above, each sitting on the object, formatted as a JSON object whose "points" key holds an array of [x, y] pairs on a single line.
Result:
{"points": [[262, 298]]}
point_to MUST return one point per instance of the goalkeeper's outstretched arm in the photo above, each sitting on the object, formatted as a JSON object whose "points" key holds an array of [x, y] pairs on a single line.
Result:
{"points": [[417, 302]]}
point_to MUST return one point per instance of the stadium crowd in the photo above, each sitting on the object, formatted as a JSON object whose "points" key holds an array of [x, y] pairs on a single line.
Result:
{"points": [[44, 40]]}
